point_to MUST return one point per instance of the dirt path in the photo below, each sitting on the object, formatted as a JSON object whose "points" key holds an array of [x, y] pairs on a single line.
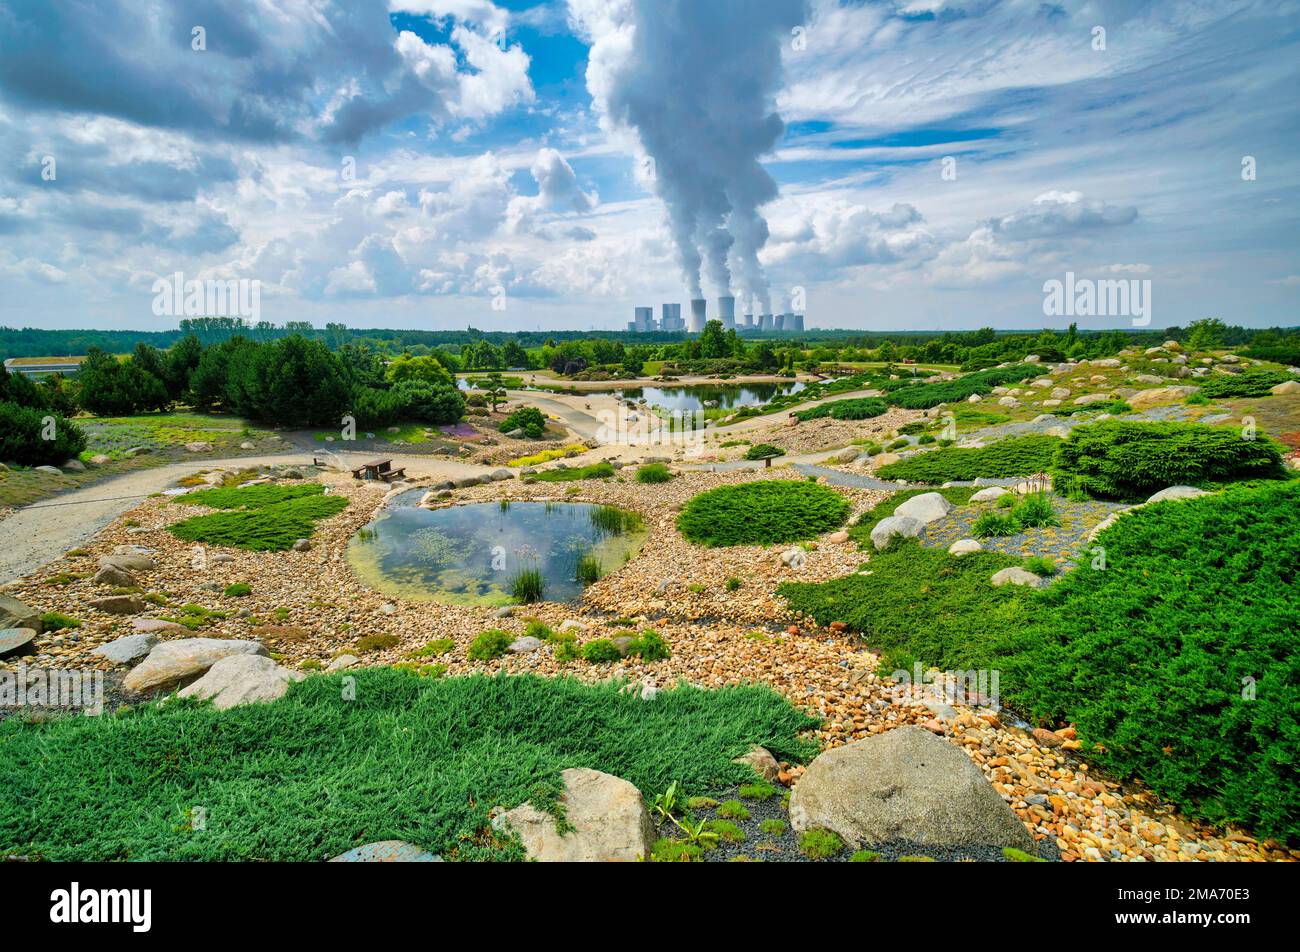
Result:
{"points": [[41, 532]]}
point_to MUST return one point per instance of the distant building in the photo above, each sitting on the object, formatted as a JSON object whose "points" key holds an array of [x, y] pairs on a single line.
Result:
{"points": [[672, 318], [44, 366]]}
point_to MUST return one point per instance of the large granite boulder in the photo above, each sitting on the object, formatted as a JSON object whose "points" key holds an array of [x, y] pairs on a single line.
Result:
{"points": [[15, 614], [607, 822], [886, 529], [1015, 575], [242, 679], [905, 785], [184, 658], [1157, 395], [925, 508], [126, 649]]}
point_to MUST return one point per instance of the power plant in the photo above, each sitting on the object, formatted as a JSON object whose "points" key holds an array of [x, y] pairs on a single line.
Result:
{"points": [[671, 322]]}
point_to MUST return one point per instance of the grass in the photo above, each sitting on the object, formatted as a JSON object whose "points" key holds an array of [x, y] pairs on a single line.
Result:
{"points": [[820, 844], [267, 518], [489, 644], [250, 497], [864, 408], [570, 474], [57, 621], [439, 646], [762, 513], [653, 473], [238, 590], [527, 586], [733, 810], [113, 436], [1016, 456], [589, 570], [311, 775]]}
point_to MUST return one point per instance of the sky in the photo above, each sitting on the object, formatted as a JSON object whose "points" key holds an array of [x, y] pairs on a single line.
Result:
{"points": [[524, 165]]}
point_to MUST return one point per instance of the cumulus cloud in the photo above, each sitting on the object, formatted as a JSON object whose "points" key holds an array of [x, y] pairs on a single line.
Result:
{"points": [[1057, 213]]}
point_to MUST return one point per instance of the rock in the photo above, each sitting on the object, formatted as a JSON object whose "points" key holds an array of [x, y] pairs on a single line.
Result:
{"points": [[648, 691], [838, 538], [1032, 359], [128, 561], [14, 614], [1148, 398], [1102, 526], [1047, 738], [499, 474], [761, 759], [1108, 362], [526, 644], [793, 556], [184, 658], [14, 640], [302, 545], [247, 445], [467, 481], [925, 508], [606, 819], [990, 494], [51, 470], [341, 662], [974, 398], [1290, 386], [218, 558], [1008, 402], [505, 611], [73, 465], [891, 526], [965, 547], [126, 649], [884, 459], [1015, 575], [1059, 393], [570, 624], [100, 460], [387, 851], [1088, 398], [1176, 492], [118, 604], [156, 626], [201, 446], [904, 785], [242, 679], [516, 434], [847, 455]]}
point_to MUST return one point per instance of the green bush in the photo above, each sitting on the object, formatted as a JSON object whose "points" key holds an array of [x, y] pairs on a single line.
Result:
{"points": [[268, 528], [1041, 565], [21, 436], [527, 586], [925, 396], [761, 513], [650, 646], [864, 408], [1252, 383], [991, 524], [238, 590], [569, 474], [1121, 459], [763, 451], [528, 419], [1009, 458], [600, 651], [439, 646], [250, 497], [653, 473], [57, 621], [489, 644], [1035, 511]]}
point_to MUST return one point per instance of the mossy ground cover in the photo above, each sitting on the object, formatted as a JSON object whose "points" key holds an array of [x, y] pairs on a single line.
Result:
{"points": [[571, 474], [268, 518], [1013, 457], [1178, 659], [313, 775], [764, 512]]}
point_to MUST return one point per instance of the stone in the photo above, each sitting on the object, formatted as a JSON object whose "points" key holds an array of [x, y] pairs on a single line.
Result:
{"points": [[126, 649], [154, 626], [974, 398], [112, 575], [1015, 575], [499, 474], [1148, 398], [1033, 359], [218, 558], [387, 851], [14, 640], [793, 556], [891, 526], [1008, 402], [1149, 378], [73, 465], [1176, 492], [128, 561], [247, 445], [1102, 526], [1289, 386], [925, 508], [1047, 738], [184, 658], [570, 624], [1108, 362], [1059, 393], [242, 679], [761, 759], [837, 538], [15, 614], [118, 604], [201, 446], [302, 545], [50, 470], [1088, 398], [606, 819], [990, 494], [341, 662], [884, 459], [965, 547], [505, 611], [847, 455], [525, 644], [904, 785], [100, 459]]}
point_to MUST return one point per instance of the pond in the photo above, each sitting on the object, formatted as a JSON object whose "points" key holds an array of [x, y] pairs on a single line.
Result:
{"points": [[722, 396], [473, 554]]}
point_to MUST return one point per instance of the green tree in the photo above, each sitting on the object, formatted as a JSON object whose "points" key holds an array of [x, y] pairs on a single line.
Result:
{"points": [[496, 389], [1206, 334], [713, 342]]}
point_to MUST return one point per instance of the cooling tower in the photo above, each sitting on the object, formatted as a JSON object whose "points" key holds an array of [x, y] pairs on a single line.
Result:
{"points": [[727, 312], [765, 322], [699, 307]]}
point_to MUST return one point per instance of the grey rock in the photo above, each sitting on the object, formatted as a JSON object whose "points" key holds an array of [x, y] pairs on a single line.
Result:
{"points": [[606, 819], [15, 614], [126, 649], [15, 640], [965, 547], [174, 661], [1015, 575], [118, 604], [761, 759], [525, 644], [302, 545], [242, 679], [112, 575], [891, 526], [387, 851], [925, 508], [128, 561], [341, 662]]}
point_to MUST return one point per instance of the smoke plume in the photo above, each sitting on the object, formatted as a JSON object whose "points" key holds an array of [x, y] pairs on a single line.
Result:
{"points": [[695, 81]]}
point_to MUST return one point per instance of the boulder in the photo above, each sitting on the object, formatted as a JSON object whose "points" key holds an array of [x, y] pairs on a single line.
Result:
{"points": [[73, 466], [201, 446], [905, 785], [100, 460], [1176, 492], [965, 547], [14, 614], [884, 459], [990, 494], [49, 470], [1149, 398], [128, 561], [126, 649], [1015, 575], [846, 455], [184, 658], [525, 644], [1289, 386], [500, 474], [606, 820], [974, 398], [891, 526], [242, 679], [838, 537], [118, 604], [1088, 398], [1149, 378], [387, 851], [925, 508], [14, 640], [1008, 402], [112, 575], [1060, 393], [341, 662], [153, 626], [1101, 527], [1107, 362], [761, 759], [302, 545]]}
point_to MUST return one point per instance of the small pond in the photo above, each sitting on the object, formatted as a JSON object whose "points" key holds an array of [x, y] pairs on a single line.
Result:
{"points": [[723, 396], [472, 554]]}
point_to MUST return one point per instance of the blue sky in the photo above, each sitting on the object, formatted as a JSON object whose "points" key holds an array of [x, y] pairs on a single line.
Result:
{"points": [[519, 165]]}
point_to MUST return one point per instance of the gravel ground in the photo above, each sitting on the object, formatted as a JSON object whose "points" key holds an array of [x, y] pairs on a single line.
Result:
{"points": [[1063, 543]]}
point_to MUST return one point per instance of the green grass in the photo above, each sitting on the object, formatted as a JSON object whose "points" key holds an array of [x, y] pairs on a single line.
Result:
{"points": [[238, 590], [527, 586], [864, 408], [57, 621], [489, 644], [762, 513], [1015, 456], [733, 810], [773, 827], [820, 844], [275, 517], [439, 646], [653, 473], [925, 396], [311, 775], [726, 830], [588, 570], [573, 473]]}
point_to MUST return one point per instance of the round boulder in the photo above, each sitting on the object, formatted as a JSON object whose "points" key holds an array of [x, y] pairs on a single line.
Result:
{"points": [[925, 508], [891, 526]]}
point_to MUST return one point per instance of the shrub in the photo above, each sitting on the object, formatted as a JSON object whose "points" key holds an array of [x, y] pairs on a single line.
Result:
{"points": [[378, 642], [267, 528], [650, 646], [527, 586], [1041, 565], [761, 513], [763, 451], [819, 844], [864, 408], [1015, 456], [238, 590], [489, 644], [991, 524], [528, 419], [1035, 511], [570, 474], [600, 651], [925, 396], [57, 621], [653, 473], [21, 432], [439, 646], [1121, 459], [773, 827], [250, 497], [732, 584], [1252, 383], [733, 810]]}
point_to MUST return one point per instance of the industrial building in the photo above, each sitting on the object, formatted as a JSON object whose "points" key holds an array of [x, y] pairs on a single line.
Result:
{"points": [[671, 322]]}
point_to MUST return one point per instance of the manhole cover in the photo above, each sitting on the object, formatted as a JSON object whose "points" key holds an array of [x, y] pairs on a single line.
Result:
{"points": [[11, 639], [387, 851]]}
